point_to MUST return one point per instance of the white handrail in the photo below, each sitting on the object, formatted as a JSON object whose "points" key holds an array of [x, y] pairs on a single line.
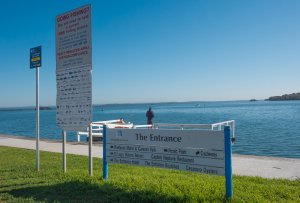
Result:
{"points": [[142, 126], [185, 125], [212, 126], [105, 122]]}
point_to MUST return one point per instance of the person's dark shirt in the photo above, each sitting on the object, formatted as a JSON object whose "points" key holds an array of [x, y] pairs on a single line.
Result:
{"points": [[150, 116]]}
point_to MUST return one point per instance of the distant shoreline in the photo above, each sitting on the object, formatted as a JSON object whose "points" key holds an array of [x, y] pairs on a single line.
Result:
{"points": [[30, 108], [42, 108]]}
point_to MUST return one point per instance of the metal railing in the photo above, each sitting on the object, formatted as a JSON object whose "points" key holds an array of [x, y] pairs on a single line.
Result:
{"points": [[97, 127], [213, 126]]}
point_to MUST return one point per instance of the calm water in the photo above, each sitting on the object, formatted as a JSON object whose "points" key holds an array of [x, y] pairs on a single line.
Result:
{"points": [[262, 128]]}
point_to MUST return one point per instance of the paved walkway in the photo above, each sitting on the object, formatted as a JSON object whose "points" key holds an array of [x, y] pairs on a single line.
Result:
{"points": [[266, 167]]}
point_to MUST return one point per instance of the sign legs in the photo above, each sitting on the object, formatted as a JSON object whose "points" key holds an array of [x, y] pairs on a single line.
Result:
{"points": [[105, 164], [228, 162], [64, 157], [90, 151]]}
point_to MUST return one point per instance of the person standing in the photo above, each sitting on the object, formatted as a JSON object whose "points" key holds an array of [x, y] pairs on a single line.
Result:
{"points": [[150, 116]]}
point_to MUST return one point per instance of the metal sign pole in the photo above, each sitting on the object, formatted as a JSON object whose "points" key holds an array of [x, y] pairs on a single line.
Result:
{"points": [[228, 162], [90, 150], [36, 62], [37, 120], [105, 164], [64, 135]]}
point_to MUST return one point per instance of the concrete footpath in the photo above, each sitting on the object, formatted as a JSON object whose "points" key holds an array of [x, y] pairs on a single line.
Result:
{"points": [[266, 167]]}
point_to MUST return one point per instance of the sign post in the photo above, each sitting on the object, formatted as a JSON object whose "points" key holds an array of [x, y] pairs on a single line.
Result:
{"points": [[64, 156], [228, 162], [36, 62], [90, 150], [105, 164]]}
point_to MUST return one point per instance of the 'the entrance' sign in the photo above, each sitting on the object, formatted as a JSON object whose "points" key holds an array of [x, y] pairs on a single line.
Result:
{"points": [[207, 152], [189, 150]]}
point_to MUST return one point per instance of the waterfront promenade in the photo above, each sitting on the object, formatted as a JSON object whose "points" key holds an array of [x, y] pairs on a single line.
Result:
{"points": [[266, 167]]}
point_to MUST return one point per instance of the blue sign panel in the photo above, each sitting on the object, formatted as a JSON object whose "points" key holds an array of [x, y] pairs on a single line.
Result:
{"points": [[36, 57]]}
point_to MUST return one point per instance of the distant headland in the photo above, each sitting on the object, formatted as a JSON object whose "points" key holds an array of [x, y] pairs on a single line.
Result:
{"points": [[293, 96], [26, 108], [44, 108]]}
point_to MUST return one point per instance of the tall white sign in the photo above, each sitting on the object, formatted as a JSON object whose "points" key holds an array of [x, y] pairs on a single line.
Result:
{"points": [[74, 69]]}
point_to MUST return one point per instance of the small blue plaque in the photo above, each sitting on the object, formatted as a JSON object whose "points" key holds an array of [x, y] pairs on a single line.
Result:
{"points": [[36, 57]]}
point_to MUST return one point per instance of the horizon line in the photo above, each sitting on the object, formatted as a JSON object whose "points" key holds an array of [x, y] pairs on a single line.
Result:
{"points": [[133, 103]]}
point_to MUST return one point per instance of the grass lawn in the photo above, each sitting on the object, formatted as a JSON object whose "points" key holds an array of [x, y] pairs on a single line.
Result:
{"points": [[19, 182]]}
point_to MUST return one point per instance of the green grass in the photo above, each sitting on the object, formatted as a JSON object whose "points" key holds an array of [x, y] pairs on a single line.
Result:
{"points": [[19, 182]]}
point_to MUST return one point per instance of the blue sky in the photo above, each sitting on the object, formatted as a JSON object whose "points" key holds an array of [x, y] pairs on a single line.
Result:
{"points": [[159, 50]]}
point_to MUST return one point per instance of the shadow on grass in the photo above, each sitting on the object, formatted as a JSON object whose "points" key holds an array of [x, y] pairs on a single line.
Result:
{"points": [[76, 191]]}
